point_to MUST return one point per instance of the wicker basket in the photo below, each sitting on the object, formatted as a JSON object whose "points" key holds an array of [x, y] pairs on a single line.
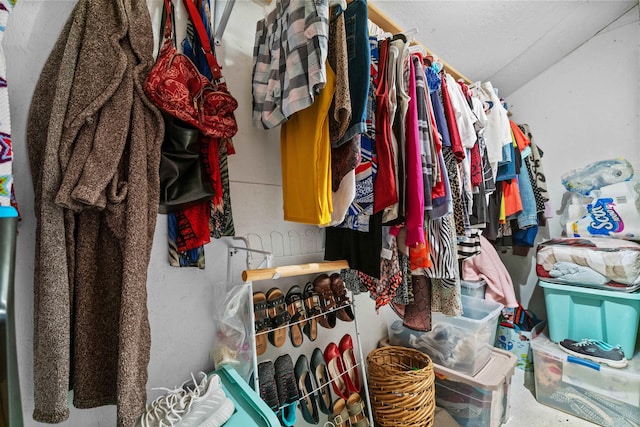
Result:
{"points": [[401, 387]]}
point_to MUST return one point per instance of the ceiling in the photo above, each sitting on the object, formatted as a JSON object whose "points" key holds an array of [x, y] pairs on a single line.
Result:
{"points": [[506, 42]]}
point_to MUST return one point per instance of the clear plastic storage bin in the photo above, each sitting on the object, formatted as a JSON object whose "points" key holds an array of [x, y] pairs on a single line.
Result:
{"points": [[606, 396], [481, 400], [463, 343], [473, 288]]}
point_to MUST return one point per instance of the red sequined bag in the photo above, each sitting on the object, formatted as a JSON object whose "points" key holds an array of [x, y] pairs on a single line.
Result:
{"points": [[176, 87]]}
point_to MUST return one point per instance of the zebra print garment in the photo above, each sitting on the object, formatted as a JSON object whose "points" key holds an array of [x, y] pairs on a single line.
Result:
{"points": [[443, 248], [445, 285]]}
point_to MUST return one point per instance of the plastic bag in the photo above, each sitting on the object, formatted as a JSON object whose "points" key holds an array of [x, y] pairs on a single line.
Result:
{"points": [[597, 175], [573, 207], [233, 337]]}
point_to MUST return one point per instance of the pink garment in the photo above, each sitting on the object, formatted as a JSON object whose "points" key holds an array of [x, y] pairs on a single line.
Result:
{"points": [[415, 191], [489, 267]]}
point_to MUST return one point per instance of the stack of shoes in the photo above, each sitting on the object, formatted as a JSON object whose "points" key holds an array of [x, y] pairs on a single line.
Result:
{"points": [[322, 301], [308, 384], [198, 404]]}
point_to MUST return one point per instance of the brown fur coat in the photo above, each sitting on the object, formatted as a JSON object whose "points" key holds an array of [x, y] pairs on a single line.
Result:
{"points": [[94, 148]]}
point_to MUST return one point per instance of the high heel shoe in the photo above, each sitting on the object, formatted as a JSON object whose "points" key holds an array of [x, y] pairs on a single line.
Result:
{"points": [[336, 371], [349, 363]]}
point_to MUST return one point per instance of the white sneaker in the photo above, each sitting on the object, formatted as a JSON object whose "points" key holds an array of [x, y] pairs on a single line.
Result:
{"points": [[158, 410], [209, 406], [204, 404]]}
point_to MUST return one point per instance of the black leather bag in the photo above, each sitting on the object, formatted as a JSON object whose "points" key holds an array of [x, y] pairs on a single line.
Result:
{"points": [[183, 181]]}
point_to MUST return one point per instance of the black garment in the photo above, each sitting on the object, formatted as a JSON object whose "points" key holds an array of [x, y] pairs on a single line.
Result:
{"points": [[361, 250], [479, 209], [493, 217]]}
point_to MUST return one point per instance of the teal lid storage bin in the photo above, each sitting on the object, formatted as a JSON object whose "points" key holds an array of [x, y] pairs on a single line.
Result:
{"points": [[250, 408], [575, 313]]}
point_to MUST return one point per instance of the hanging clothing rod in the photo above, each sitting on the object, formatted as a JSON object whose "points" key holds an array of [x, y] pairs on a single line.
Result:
{"points": [[292, 270], [222, 24], [383, 21]]}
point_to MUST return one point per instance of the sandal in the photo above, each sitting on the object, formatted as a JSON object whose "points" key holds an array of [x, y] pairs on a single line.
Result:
{"points": [[355, 407], [345, 313], [322, 286], [340, 415], [262, 321], [313, 309], [295, 307], [279, 317]]}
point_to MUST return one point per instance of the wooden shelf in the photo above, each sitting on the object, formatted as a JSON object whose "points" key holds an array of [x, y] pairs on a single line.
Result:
{"points": [[292, 270]]}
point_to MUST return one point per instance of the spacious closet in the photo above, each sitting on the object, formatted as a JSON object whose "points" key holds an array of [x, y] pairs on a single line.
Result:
{"points": [[582, 107]]}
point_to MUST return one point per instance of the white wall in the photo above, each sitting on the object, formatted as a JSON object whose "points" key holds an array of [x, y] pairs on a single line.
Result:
{"points": [[181, 301], [583, 109]]}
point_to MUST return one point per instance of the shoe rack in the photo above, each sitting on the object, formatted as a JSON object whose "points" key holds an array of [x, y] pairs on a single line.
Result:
{"points": [[250, 276]]}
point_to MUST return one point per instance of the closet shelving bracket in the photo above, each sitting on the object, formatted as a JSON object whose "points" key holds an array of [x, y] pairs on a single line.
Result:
{"points": [[267, 257]]}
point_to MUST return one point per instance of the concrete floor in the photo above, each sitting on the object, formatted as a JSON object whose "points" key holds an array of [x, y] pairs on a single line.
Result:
{"points": [[527, 411]]}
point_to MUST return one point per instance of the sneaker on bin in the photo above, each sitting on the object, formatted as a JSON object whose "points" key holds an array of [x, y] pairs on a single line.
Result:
{"points": [[595, 350], [204, 405]]}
